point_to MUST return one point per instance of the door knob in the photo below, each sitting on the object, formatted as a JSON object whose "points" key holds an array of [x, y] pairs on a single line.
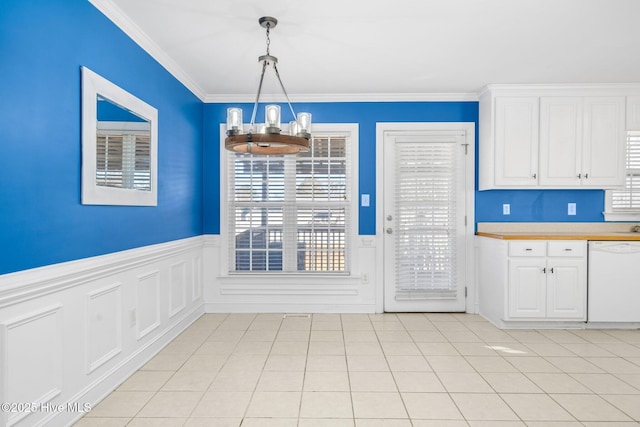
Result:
{"points": [[389, 230], [389, 217]]}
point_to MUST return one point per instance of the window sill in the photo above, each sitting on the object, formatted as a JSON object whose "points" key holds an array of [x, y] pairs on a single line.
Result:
{"points": [[621, 216], [291, 279]]}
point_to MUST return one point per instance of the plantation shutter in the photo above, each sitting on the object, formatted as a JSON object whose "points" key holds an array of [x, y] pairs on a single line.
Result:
{"points": [[123, 160], [628, 200], [109, 162], [142, 163], [425, 218], [291, 213], [256, 212]]}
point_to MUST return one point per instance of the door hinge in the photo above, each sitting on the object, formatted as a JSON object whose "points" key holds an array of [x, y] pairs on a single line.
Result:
{"points": [[465, 291], [465, 220], [466, 149]]}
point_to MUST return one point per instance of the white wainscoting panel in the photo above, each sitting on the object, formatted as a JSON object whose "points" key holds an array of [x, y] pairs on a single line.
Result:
{"points": [[197, 278], [70, 333], [226, 292], [147, 303], [178, 294], [32, 368], [104, 325]]}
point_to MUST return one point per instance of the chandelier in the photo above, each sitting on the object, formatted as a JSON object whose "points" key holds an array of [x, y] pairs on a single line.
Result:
{"points": [[268, 139]]}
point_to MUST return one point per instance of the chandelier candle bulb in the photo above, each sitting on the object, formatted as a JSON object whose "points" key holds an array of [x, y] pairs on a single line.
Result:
{"points": [[272, 118], [234, 121], [293, 128], [304, 125]]}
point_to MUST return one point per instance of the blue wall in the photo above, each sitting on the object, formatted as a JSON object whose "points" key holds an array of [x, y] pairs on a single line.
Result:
{"points": [[43, 43], [366, 114], [540, 205]]}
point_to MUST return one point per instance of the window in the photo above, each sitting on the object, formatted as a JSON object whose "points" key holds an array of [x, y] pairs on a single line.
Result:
{"points": [[292, 213], [624, 205]]}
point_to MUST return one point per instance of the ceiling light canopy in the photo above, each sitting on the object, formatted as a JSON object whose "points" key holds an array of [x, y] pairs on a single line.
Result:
{"points": [[268, 139]]}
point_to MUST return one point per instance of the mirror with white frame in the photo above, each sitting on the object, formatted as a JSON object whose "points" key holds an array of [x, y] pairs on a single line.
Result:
{"points": [[119, 145]]}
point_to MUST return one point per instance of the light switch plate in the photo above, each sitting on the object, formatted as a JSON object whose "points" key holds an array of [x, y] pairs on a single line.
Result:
{"points": [[506, 209], [364, 200], [571, 209]]}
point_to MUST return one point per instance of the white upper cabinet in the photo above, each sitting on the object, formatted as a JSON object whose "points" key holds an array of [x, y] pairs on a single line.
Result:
{"points": [[516, 140], [508, 141], [603, 142], [560, 141], [560, 137], [582, 142]]}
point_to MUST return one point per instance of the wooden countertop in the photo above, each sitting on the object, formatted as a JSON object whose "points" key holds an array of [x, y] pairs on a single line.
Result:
{"points": [[630, 236]]}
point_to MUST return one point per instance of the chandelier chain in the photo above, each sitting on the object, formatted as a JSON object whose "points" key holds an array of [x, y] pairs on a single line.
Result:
{"points": [[268, 38]]}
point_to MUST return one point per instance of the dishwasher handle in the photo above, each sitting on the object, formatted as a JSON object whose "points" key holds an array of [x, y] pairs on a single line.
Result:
{"points": [[616, 247]]}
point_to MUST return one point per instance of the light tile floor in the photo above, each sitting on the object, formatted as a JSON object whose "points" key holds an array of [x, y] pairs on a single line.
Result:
{"points": [[391, 370]]}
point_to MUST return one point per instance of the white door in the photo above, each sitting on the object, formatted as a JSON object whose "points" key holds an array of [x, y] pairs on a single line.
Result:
{"points": [[423, 221]]}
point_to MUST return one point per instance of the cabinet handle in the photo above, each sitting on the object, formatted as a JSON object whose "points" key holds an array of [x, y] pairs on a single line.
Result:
{"points": [[586, 176], [568, 249], [535, 175], [544, 270], [528, 249], [579, 176], [551, 270]]}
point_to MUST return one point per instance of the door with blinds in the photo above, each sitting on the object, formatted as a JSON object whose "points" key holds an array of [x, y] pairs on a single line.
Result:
{"points": [[424, 221]]}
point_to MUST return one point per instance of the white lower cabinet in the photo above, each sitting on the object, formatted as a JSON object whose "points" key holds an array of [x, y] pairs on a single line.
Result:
{"points": [[527, 288], [543, 280]]}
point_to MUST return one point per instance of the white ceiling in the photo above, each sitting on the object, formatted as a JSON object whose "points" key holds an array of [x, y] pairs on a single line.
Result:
{"points": [[385, 49]]}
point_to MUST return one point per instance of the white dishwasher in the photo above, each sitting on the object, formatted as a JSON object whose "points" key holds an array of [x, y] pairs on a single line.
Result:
{"points": [[614, 281]]}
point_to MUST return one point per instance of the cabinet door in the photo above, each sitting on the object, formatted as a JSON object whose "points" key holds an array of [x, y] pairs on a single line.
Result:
{"points": [[527, 283], [560, 141], [603, 142], [516, 141], [566, 288]]}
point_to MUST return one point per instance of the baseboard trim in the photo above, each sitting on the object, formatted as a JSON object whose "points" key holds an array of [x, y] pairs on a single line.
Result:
{"points": [[289, 308]]}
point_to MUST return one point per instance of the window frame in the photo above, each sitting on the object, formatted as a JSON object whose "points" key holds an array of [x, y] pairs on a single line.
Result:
{"points": [[351, 133], [621, 215]]}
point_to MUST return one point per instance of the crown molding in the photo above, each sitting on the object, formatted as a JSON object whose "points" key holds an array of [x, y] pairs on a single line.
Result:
{"points": [[563, 88], [131, 29], [345, 97]]}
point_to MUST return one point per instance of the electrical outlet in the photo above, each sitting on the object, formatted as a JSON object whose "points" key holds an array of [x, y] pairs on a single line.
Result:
{"points": [[506, 209], [365, 278], [571, 209]]}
